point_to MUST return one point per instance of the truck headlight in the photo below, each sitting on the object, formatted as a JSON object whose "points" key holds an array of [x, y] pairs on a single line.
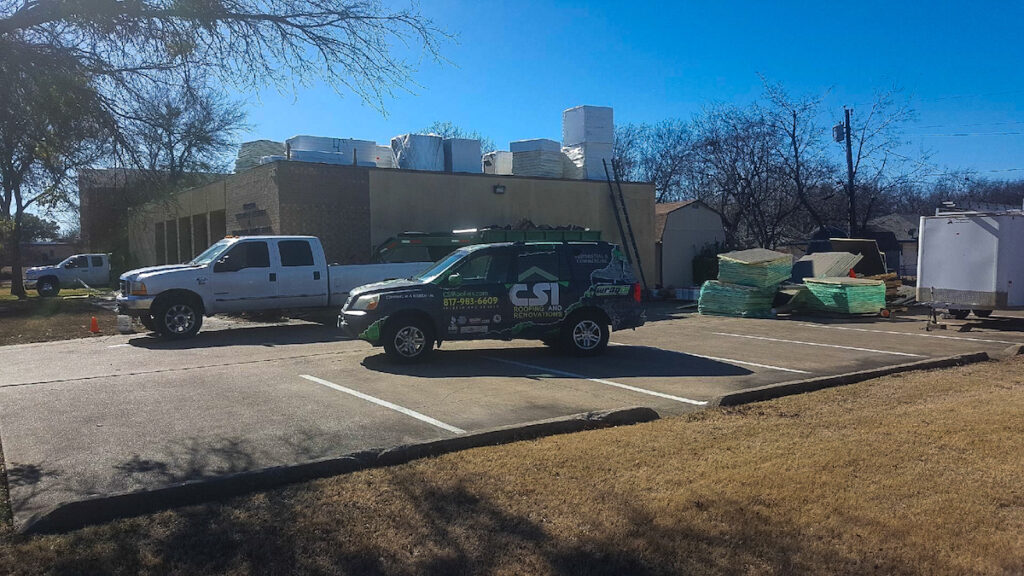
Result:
{"points": [[139, 289], [367, 303]]}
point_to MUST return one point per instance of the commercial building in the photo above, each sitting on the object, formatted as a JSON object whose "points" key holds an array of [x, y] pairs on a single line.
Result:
{"points": [[355, 208]]}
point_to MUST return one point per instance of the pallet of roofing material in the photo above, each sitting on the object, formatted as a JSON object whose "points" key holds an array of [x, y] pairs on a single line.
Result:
{"points": [[892, 284], [722, 299], [824, 265], [873, 261], [846, 295], [758, 268], [419, 152]]}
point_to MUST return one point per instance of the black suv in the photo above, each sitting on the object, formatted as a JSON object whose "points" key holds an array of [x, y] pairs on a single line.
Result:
{"points": [[562, 293]]}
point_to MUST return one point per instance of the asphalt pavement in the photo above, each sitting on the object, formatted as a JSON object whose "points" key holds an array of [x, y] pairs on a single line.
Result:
{"points": [[119, 413]]}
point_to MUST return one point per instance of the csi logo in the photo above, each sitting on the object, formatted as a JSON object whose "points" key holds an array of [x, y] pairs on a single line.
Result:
{"points": [[543, 293]]}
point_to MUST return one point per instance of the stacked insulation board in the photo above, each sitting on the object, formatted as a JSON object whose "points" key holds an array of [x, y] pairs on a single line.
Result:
{"points": [[747, 283], [845, 295]]}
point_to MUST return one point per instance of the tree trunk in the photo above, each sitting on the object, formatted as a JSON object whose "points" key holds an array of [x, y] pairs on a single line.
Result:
{"points": [[17, 282]]}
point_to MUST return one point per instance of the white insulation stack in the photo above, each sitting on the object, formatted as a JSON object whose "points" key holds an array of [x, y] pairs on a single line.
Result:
{"points": [[535, 144], [271, 158], [327, 158], [418, 152], [365, 151], [588, 124], [251, 153], [385, 157], [538, 163], [498, 162], [461, 155], [587, 158]]}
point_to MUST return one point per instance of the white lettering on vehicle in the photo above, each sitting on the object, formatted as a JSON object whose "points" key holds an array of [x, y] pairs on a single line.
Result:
{"points": [[543, 293]]}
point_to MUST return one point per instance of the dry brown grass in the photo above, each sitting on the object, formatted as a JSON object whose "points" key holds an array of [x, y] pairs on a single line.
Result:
{"points": [[912, 474], [37, 319]]}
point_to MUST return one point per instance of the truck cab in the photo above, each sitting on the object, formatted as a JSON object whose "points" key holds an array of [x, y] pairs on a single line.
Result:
{"points": [[569, 294], [78, 270]]}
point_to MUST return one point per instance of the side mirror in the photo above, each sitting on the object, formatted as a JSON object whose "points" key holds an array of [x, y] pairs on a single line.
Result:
{"points": [[225, 265], [69, 265], [455, 280]]}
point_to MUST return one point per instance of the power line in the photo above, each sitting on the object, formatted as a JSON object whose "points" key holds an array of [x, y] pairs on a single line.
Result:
{"points": [[962, 134]]}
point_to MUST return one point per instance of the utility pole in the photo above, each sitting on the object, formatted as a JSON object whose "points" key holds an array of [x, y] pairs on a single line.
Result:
{"points": [[850, 193]]}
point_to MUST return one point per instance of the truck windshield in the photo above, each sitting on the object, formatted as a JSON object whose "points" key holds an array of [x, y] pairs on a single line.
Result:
{"points": [[211, 253], [435, 271]]}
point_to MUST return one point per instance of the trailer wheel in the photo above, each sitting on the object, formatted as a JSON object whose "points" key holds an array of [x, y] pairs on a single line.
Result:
{"points": [[982, 313], [958, 314]]}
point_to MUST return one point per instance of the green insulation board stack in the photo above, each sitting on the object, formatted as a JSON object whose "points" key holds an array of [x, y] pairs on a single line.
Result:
{"points": [[720, 298], [845, 295], [757, 268]]}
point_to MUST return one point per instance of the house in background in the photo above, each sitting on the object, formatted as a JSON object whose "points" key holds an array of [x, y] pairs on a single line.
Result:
{"points": [[681, 231], [901, 230]]}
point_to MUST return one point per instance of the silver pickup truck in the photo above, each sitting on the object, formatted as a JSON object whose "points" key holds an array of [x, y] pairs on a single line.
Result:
{"points": [[245, 274], [75, 271]]}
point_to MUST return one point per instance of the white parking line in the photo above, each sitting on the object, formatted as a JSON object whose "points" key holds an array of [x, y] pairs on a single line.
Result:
{"points": [[385, 404], [910, 334], [819, 344], [599, 381], [717, 359], [119, 346]]}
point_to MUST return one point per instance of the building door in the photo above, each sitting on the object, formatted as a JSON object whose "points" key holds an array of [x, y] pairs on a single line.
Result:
{"points": [[243, 279]]}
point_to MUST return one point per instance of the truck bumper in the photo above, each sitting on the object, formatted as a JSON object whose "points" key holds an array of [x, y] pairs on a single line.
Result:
{"points": [[30, 284], [134, 305], [362, 325]]}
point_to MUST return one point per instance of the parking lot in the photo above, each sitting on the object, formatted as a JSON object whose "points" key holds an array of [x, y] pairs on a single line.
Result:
{"points": [[134, 412]]}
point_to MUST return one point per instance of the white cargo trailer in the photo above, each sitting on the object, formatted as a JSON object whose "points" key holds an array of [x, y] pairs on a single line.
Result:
{"points": [[971, 261]]}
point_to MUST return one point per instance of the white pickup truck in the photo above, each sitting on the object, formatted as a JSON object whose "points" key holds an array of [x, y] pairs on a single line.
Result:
{"points": [[245, 274], [75, 271]]}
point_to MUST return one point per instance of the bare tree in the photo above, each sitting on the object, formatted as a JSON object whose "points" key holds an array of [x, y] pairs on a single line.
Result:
{"points": [[800, 147], [72, 71], [879, 169], [448, 129], [659, 153]]}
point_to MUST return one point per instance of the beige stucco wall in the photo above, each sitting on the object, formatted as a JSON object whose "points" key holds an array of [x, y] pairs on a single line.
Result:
{"points": [[402, 200], [687, 231]]}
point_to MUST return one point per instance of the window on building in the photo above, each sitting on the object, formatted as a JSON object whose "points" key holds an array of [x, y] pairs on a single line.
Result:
{"points": [[295, 253]]}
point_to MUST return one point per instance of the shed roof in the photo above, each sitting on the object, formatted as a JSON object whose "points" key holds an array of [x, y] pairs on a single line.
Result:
{"points": [[661, 212]]}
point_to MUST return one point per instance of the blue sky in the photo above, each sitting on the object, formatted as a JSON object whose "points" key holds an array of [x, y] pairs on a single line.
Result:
{"points": [[516, 65]]}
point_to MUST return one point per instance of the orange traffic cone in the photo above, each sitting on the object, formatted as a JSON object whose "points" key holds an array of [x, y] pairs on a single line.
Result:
{"points": [[94, 327]]}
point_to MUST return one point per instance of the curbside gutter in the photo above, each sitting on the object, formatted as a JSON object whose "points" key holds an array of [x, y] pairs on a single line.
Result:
{"points": [[811, 384], [80, 513]]}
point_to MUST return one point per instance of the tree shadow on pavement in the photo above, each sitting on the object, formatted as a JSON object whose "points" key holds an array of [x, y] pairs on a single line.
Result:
{"points": [[617, 362], [281, 335]]}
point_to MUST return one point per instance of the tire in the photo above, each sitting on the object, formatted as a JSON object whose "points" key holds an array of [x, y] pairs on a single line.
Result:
{"points": [[958, 314], [585, 334], [177, 318], [982, 313], [147, 322], [48, 287], [408, 339]]}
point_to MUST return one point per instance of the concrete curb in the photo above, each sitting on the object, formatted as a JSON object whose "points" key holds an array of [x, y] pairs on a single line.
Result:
{"points": [[1011, 351], [811, 384], [73, 515]]}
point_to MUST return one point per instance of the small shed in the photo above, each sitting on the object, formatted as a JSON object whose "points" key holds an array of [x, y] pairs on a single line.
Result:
{"points": [[901, 250], [681, 231]]}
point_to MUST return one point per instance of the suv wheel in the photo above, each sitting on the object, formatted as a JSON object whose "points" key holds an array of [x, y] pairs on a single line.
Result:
{"points": [[408, 339], [48, 287], [147, 322], [177, 318], [982, 313], [585, 334]]}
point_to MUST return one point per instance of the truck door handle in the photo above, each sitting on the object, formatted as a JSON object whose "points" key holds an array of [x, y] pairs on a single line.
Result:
{"points": [[316, 275], [273, 277]]}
